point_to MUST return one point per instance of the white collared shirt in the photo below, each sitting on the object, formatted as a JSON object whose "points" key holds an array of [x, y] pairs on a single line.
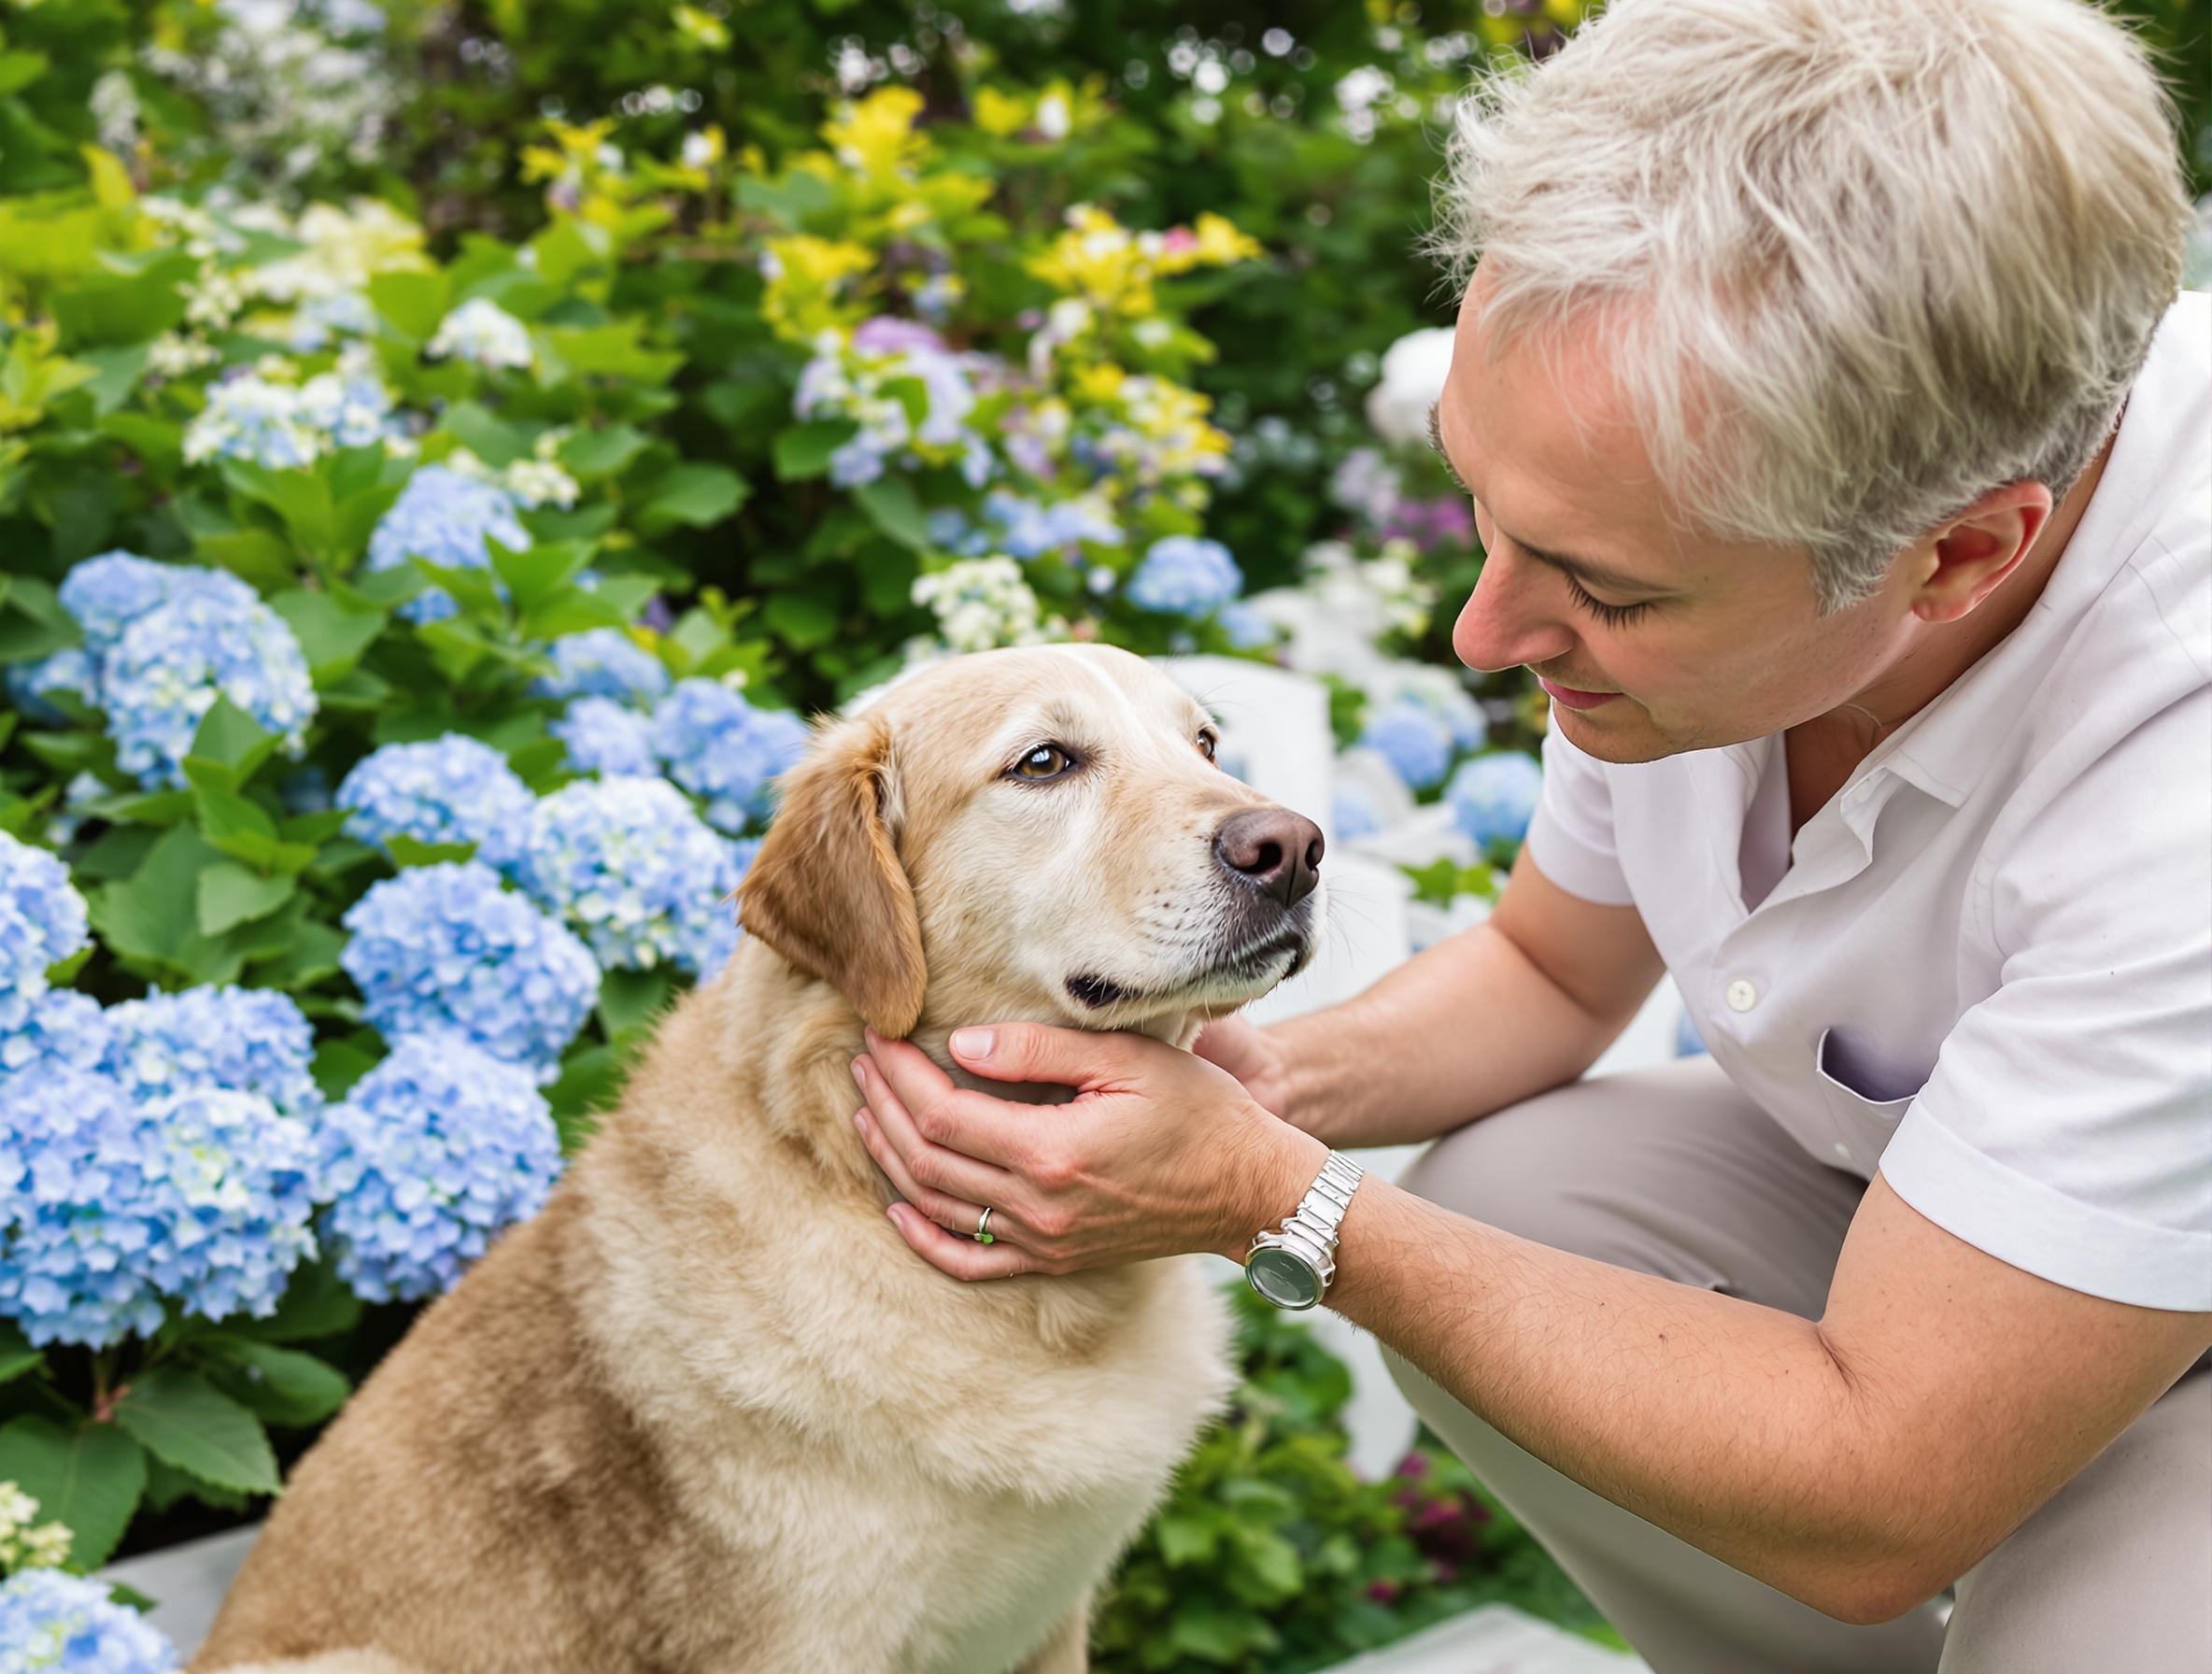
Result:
{"points": [[1986, 964]]}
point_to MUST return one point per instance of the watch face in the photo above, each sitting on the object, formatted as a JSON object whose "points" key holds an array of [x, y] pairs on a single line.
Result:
{"points": [[1283, 1279]]}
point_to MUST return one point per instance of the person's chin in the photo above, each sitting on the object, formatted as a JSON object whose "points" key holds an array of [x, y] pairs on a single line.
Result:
{"points": [[1618, 731]]}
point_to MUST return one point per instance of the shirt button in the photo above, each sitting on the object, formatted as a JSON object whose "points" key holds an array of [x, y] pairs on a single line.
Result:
{"points": [[1741, 996], [1843, 1150]]}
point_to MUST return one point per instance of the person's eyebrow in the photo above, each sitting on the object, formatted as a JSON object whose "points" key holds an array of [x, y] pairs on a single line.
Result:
{"points": [[1587, 571]]}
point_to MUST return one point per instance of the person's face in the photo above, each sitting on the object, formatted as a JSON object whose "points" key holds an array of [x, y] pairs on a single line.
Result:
{"points": [[1688, 642]]}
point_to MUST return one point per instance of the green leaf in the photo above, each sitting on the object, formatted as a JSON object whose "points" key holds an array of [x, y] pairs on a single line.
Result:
{"points": [[630, 999], [89, 1478], [317, 1304], [891, 506], [301, 498], [231, 895], [283, 1385], [800, 621], [310, 954], [33, 623], [259, 555], [411, 851], [182, 1419], [803, 451], [590, 454], [17, 1356], [484, 433], [166, 1485], [226, 733], [151, 916], [536, 573], [413, 302], [1186, 1538], [332, 636], [697, 495], [104, 309]]}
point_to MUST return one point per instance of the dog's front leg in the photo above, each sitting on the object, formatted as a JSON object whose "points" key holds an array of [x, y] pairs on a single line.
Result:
{"points": [[1068, 1649]]}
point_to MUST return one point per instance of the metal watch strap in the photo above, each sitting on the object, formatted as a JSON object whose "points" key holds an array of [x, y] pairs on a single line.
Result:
{"points": [[1310, 1229]]}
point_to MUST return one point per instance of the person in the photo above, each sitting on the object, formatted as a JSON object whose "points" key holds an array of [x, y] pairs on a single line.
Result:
{"points": [[1842, 456]]}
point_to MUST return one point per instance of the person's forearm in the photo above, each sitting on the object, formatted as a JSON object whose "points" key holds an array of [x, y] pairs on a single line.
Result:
{"points": [[1463, 1028], [1727, 1424]]}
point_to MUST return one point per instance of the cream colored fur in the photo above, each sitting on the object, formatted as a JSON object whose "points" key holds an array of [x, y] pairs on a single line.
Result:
{"points": [[707, 1412]]}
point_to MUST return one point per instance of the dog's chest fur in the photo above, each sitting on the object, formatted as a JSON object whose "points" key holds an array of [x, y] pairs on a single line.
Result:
{"points": [[943, 1470]]}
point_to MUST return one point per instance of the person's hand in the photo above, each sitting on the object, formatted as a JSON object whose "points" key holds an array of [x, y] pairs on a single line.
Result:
{"points": [[1158, 1153], [1252, 1055]]}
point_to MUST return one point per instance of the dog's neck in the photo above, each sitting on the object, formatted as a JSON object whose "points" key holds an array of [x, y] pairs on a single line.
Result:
{"points": [[793, 1037]]}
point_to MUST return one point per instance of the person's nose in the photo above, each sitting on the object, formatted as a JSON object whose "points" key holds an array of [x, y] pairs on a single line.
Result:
{"points": [[1509, 618], [1275, 851]]}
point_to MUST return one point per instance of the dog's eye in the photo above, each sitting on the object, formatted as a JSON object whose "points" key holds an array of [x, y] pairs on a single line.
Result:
{"points": [[1047, 762], [1208, 744]]}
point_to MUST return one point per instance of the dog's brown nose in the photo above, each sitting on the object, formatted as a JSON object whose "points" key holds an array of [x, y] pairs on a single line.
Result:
{"points": [[1279, 852]]}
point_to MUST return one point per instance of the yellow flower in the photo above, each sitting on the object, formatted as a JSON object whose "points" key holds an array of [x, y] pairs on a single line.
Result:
{"points": [[875, 135], [805, 274]]}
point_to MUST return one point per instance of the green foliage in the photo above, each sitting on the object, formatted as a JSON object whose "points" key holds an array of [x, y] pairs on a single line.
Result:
{"points": [[1273, 1556]]}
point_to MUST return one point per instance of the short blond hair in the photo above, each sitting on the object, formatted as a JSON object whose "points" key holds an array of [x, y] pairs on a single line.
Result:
{"points": [[1862, 261]]}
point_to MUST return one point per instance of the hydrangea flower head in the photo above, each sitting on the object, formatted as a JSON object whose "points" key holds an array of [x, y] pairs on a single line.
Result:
{"points": [[283, 426], [448, 789], [603, 736], [111, 1205], [633, 870], [1247, 628], [1352, 812], [172, 663], [1186, 575], [1439, 691], [446, 948], [1412, 740], [109, 593], [603, 662], [67, 1624], [983, 602], [433, 1153], [482, 333], [724, 751], [249, 1040], [443, 516], [1493, 797], [42, 922], [59, 1026]]}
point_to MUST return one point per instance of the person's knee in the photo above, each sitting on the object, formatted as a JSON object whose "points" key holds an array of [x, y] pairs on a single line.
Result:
{"points": [[1522, 1169]]}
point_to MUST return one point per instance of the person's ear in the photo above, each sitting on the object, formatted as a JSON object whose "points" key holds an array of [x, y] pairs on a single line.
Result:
{"points": [[1963, 562], [827, 889]]}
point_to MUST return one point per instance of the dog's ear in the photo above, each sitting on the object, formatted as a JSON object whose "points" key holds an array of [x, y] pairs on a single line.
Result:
{"points": [[826, 889]]}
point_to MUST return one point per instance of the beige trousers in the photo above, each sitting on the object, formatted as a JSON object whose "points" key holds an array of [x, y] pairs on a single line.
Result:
{"points": [[1672, 1171]]}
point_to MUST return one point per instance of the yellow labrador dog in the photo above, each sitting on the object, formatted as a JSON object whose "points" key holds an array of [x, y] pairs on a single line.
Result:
{"points": [[707, 1413]]}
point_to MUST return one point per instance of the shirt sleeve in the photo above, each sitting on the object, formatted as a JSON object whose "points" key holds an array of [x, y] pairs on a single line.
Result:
{"points": [[2067, 1127], [1571, 836]]}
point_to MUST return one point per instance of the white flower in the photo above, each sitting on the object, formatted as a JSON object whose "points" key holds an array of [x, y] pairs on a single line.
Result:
{"points": [[983, 602], [484, 333], [1413, 372]]}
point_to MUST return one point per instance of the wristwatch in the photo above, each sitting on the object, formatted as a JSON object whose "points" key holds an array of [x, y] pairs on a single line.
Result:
{"points": [[1292, 1268]]}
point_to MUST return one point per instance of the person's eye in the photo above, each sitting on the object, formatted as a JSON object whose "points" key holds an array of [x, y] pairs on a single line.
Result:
{"points": [[1612, 615], [1045, 761], [1208, 745]]}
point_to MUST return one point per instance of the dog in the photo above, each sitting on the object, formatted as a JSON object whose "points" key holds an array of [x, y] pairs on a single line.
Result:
{"points": [[706, 1413]]}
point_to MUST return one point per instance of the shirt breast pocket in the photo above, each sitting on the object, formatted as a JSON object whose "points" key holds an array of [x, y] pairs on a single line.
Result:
{"points": [[1864, 1101]]}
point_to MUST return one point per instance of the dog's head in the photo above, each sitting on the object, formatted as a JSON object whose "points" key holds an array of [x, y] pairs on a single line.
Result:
{"points": [[1037, 834]]}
